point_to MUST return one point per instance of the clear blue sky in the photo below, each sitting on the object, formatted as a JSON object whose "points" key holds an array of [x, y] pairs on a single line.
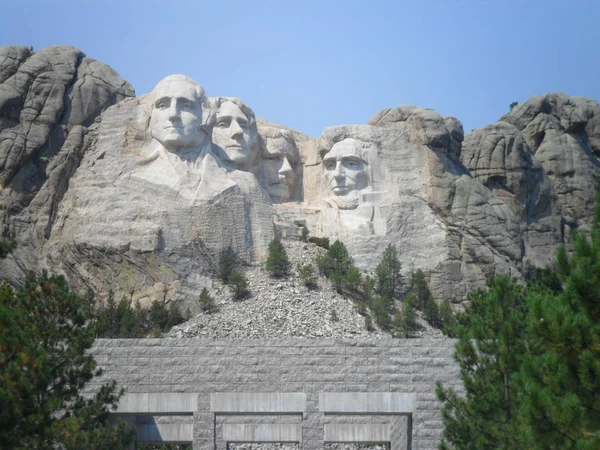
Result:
{"points": [[312, 64]]}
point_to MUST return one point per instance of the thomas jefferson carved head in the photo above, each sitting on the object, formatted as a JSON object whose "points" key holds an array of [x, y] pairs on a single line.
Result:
{"points": [[281, 166], [176, 119], [345, 168], [234, 133]]}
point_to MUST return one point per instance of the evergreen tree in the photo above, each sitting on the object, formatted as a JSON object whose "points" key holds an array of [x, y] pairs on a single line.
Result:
{"points": [[561, 376], [159, 316], [381, 310], [175, 317], [127, 321], [239, 285], [141, 318], [304, 234], [352, 279], [6, 247], [424, 301], [420, 289], [388, 273], [489, 352], [207, 302], [405, 321], [278, 264], [226, 264], [112, 315], [307, 275], [45, 363], [368, 289], [447, 319], [340, 262], [431, 312]]}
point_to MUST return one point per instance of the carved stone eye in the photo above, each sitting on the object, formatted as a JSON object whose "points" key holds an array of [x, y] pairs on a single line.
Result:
{"points": [[162, 104]]}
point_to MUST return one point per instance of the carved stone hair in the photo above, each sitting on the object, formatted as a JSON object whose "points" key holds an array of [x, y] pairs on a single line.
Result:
{"points": [[328, 146], [218, 101], [200, 94], [276, 133]]}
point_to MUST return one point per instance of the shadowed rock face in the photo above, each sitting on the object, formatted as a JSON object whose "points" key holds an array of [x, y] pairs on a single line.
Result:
{"points": [[113, 203]]}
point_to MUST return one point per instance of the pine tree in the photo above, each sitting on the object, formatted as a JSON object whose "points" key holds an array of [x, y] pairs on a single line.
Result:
{"points": [[489, 352], [159, 316], [352, 279], [226, 264], [447, 319], [561, 376], [431, 312], [340, 263], [388, 273], [307, 275], [45, 363], [175, 317], [424, 301], [127, 320], [405, 321], [207, 302], [368, 289], [239, 285], [420, 289], [278, 264]]}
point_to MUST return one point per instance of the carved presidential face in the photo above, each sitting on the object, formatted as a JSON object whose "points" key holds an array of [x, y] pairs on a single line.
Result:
{"points": [[176, 116], [280, 159], [345, 168], [231, 134]]}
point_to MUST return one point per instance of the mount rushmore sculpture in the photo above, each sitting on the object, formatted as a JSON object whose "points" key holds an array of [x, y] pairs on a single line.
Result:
{"points": [[140, 195]]}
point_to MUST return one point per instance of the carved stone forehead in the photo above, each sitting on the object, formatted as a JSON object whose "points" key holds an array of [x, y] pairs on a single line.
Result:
{"points": [[230, 109], [280, 145], [178, 86], [347, 147]]}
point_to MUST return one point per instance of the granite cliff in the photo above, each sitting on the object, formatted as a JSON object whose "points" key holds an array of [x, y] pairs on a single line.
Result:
{"points": [[141, 194]]}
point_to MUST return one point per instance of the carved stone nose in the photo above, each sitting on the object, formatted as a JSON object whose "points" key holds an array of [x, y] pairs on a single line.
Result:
{"points": [[286, 167]]}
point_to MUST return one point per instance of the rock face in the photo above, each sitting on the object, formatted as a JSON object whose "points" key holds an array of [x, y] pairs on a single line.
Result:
{"points": [[140, 195], [49, 102]]}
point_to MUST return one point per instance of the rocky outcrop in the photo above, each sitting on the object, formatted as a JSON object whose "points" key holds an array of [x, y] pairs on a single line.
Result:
{"points": [[49, 101], [119, 193]]}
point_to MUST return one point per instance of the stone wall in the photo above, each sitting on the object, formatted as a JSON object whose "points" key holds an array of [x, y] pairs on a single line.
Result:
{"points": [[308, 391]]}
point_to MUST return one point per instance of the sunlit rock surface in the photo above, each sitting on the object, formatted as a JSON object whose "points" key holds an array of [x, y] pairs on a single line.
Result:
{"points": [[140, 195]]}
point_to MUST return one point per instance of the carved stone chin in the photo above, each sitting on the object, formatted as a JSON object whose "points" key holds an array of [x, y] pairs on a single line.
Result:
{"points": [[350, 201]]}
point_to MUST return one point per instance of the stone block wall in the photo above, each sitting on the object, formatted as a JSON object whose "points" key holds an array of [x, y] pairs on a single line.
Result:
{"points": [[310, 391]]}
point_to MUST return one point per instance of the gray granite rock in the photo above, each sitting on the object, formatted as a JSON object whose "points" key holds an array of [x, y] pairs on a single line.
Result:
{"points": [[97, 193], [48, 102]]}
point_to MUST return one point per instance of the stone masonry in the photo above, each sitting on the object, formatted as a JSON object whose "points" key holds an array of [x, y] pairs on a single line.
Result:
{"points": [[212, 392]]}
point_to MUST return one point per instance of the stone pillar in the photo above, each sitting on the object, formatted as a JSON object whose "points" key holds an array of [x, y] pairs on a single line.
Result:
{"points": [[313, 424], [204, 424]]}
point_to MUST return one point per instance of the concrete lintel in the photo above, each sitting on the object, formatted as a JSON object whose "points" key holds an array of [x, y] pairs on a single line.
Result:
{"points": [[172, 432], [255, 402], [367, 402], [170, 403], [289, 432], [338, 432]]}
